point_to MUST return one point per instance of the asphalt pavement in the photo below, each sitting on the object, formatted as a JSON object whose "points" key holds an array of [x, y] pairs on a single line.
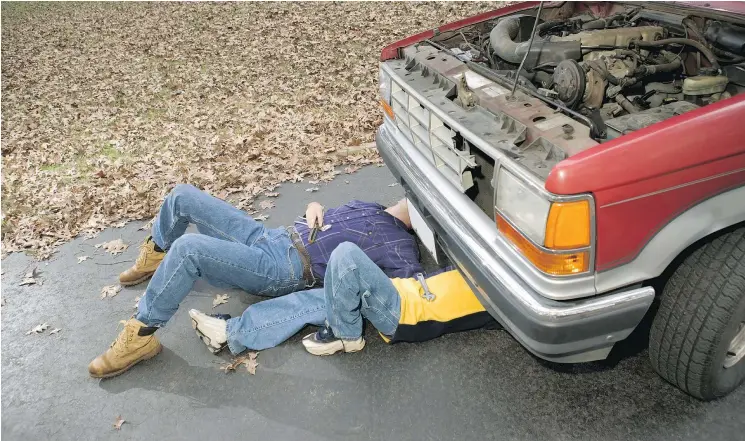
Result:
{"points": [[477, 385]]}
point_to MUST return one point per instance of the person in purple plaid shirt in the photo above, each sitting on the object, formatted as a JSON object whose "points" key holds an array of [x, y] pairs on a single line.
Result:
{"points": [[234, 250]]}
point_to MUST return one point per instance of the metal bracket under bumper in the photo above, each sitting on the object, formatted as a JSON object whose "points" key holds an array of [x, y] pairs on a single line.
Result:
{"points": [[560, 331]]}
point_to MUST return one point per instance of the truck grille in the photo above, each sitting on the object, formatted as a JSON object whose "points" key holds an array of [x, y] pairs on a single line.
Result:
{"points": [[432, 137]]}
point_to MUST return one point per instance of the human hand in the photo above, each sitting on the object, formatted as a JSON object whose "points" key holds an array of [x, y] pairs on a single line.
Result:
{"points": [[314, 215]]}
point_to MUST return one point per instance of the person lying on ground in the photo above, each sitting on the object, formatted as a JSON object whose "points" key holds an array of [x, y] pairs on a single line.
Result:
{"points": [[234, 250], [401, 309]]}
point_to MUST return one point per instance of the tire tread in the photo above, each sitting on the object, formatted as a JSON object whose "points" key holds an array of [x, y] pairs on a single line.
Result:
{"points": [[697, 303]]}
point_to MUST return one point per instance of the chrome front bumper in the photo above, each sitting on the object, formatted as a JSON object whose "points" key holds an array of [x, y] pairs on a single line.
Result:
{"points": [[561, 331]]}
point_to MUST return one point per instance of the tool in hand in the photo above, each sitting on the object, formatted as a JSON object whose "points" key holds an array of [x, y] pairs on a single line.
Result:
{"points": [[313, 232]]}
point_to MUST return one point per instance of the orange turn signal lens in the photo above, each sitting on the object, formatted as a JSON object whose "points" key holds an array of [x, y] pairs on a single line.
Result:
{"points": [[555, 264], [387, 108], [568, 225]]}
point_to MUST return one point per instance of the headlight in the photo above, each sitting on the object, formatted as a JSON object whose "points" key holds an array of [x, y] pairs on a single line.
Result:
{"points": [[385, 86], [554, 236], [525, 208]]}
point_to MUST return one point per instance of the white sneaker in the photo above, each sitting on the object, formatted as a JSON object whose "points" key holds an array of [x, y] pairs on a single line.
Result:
{"points": [[211, 330], [324, 342]]}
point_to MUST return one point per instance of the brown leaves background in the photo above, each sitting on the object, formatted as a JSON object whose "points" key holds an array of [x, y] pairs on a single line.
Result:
{"points": [[106, 106]]}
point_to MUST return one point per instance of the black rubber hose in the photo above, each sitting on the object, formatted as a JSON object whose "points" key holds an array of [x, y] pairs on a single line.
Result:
{"points": [[502, 39], [722, 55], [727, 57], [599, 68], [655, 68], [547, 25], [630, 53], [686, 41], [626, 104]]}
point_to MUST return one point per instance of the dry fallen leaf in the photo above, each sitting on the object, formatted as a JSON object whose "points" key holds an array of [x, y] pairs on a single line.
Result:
{"points": [[249, 360], [393, 185], [137, 302], [252, 363], [27, 281], [261, 217], [82, 258], [110, 291], [265, 205], [311, 190], [38, 329], [54, 331], [220, 299], [30, 278], [118, 422], [180, 82], [351, 169], [120, 224], [271, 195], [114, 247]]}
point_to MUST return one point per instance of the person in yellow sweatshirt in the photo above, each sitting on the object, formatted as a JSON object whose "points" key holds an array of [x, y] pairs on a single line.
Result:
{"points": [[355, 289]]}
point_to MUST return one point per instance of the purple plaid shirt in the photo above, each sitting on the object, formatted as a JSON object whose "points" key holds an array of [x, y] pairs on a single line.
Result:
{"points": [[384, 239]]}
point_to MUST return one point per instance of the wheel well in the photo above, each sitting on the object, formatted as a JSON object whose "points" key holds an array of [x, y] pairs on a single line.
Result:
{"points": [[658, 283]]}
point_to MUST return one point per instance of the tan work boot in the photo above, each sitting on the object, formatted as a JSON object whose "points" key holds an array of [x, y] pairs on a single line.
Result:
{"points": [[145, 266], [128, 349]]}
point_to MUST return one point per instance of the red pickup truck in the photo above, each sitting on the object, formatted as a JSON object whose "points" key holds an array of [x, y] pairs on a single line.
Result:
{"points": [[583, 164]]}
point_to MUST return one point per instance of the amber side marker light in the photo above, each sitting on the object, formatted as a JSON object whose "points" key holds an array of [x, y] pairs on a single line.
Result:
{"points": [[560, 264], [387, 108], [568, 225]]}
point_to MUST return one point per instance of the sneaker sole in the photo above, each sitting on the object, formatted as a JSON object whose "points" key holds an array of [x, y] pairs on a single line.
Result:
{"points": [[147, 356], [138, 281], [206, 340], [323, 351]]}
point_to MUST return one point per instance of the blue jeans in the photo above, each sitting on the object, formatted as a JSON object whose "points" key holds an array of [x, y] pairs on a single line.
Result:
{"points": [[233, 250], [354, 289]]}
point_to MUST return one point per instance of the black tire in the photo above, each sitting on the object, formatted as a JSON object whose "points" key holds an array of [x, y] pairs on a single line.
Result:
{"points": [[701, 309]]}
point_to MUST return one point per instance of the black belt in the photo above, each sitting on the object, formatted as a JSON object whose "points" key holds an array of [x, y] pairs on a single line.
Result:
{"points": [[297, 242]]}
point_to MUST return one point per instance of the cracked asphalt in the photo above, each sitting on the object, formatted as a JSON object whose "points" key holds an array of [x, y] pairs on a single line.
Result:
{"points": [[472, 386]]}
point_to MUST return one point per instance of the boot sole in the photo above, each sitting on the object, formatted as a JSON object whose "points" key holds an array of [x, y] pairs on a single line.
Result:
{"points": [[147, 356], [323, 352], [138, 281], [208, 341]]}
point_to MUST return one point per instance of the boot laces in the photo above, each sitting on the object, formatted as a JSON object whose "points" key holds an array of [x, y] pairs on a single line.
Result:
{"points": [[144, 253], [122, 340]]}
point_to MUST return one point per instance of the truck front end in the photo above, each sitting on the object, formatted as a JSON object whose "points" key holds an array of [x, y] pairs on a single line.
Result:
{"points": [[475, 158]]}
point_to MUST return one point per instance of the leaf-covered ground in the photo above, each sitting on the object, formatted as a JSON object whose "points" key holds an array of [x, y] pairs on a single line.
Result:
{"points": [[105, 106]]}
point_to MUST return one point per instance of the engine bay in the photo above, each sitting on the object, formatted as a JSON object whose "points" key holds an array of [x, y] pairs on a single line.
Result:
{"points": [[613, 67]]}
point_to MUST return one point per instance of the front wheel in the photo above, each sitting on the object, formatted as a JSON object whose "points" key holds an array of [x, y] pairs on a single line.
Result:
{"points": [[697, 341]]}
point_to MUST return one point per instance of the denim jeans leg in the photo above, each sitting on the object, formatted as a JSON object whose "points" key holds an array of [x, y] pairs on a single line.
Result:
{"points": [[267, 324], [187, 204], [355, 288], [270, 267]]}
